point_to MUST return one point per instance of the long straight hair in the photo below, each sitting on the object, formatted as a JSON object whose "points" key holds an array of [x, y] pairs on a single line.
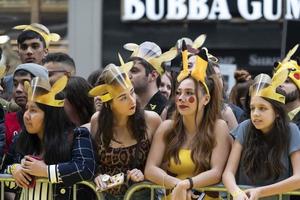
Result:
{"points": [[55, 145], [264, 151], [204, 140], [136, 123]]}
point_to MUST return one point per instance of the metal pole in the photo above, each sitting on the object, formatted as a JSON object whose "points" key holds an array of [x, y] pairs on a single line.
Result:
{"points": [[284, 30], [35, 11]]}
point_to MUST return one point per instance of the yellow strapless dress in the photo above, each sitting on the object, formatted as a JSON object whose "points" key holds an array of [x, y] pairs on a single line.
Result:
{"points": [[185, 169]]}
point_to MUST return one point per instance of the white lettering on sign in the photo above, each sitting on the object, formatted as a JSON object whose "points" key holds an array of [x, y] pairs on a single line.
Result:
{"points": [[227, 60], [155, 10], [271, 14], [292, 9], [133, 10], [220, 7], [177, 9], [198, 9], [151, 14], [255, 60], [244, 10]]}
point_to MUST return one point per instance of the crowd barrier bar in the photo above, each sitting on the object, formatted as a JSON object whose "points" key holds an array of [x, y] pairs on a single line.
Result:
{"points": [[214, 188], [8, 178], [142, 185]]}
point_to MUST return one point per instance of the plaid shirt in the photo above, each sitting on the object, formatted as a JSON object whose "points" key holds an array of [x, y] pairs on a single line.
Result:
{"points": [[81, 167]]}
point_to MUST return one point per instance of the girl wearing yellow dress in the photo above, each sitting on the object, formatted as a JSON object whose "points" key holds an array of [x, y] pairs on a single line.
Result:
{"points": [[195, 145]]}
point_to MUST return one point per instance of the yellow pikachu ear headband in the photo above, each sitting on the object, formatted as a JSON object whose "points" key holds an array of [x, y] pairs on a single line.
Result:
{"points": [[193, 47], [151, 53], [266, 87], [115, 81], [198, 72], [41, 30], [40, 91], [292, 65]]}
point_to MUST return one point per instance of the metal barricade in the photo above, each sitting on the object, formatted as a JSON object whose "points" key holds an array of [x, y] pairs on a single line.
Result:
{"points": [[214, 188], [136, 187], [8, 178]]}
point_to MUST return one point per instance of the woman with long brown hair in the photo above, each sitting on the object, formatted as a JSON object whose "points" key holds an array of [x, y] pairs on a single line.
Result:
{"points": [[122, 132], [196, 143]]}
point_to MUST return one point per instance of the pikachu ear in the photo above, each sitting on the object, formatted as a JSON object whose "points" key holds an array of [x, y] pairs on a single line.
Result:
{"points": [[121, 59], [185, 68], [290, 54], [59, 85], [167, 56], [98, 90], [132, 47], [28, 89], [279, 77], [20, 27], [199, 41], [203, 54], [126, 67], [54, 37]]}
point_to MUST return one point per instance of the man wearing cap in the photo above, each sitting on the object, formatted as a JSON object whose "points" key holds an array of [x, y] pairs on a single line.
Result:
{"points": [[13, 122], [291, 87], [33, 42], [145, 75]]}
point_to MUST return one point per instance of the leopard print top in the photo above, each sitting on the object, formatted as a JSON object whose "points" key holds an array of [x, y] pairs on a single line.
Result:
{"points": [[116, 160]]}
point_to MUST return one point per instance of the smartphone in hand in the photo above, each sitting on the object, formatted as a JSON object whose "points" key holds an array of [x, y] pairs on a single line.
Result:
{"points": [[112, 181]]}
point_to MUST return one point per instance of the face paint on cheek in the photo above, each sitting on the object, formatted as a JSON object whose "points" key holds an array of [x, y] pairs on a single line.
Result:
{"points": [[191, 99]]}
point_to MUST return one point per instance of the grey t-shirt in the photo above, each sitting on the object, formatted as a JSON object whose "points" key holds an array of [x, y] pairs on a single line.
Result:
{"points": [[294, 144]]}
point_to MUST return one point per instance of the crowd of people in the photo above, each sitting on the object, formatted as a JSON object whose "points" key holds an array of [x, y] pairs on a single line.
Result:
{"points": [[162, 117]]}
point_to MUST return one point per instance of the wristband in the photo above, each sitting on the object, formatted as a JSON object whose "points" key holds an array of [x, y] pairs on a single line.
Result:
{"points": [[191, 183]]}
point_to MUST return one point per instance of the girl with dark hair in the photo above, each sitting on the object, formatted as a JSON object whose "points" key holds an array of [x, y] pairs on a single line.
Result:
{"points": [[46, 149], [122, 131], [79, 107], [265, 153], [193, 149]]}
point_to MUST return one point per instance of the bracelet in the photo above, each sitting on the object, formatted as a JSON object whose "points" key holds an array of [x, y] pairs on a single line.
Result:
{"points": [[191, 183], [236, 193]]}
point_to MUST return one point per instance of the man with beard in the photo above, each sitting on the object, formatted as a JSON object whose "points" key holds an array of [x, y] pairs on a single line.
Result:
{"points": [[291, 87], [145, 77]]}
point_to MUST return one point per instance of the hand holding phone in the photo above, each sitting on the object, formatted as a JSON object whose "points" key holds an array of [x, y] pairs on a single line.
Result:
{"points": [[111, 181]]}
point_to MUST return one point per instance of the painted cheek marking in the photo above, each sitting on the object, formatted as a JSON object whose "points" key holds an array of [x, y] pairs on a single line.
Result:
{"points": [[297, 76], [191, 99]]}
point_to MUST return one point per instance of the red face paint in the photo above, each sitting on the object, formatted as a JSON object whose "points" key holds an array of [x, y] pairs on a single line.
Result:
{"points": [[191, 99], [297, 76]]}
